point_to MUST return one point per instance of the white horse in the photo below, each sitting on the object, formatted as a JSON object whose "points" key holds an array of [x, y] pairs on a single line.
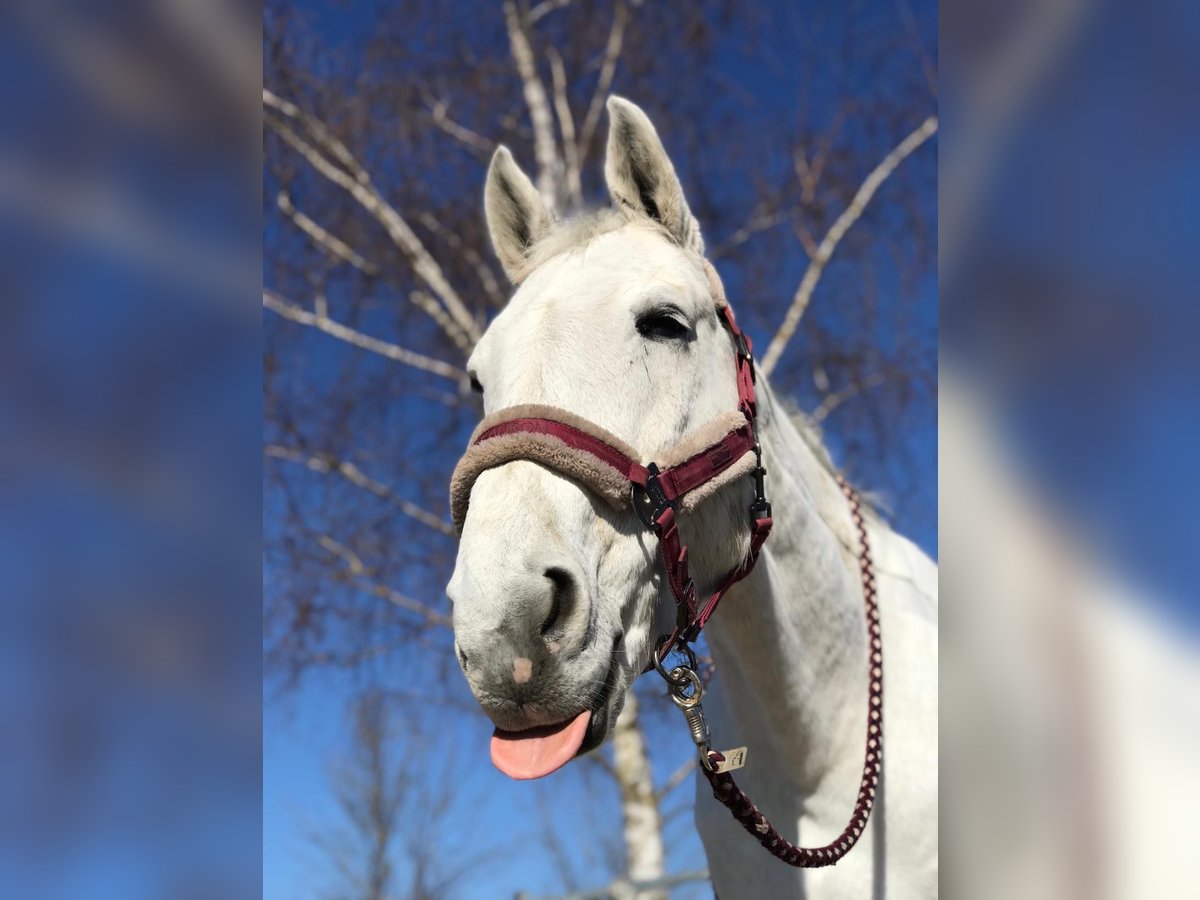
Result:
{"points": [[558, 598]]}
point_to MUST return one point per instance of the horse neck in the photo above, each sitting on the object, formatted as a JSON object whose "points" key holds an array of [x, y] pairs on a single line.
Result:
{"points": [[789, 640]]}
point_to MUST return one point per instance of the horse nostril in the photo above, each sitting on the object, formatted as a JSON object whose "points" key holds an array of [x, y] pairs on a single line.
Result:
{"points": [[462, 655], [562, 592]]}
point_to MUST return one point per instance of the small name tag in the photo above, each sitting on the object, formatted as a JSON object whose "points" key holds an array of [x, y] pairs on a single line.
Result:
{"points": [[734, 759]]}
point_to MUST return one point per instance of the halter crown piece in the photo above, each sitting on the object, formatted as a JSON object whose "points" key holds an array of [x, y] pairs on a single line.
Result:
{"points": [[716, 454]]}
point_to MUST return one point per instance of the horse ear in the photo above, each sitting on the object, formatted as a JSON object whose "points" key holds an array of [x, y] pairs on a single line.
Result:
{"points": [[640, 175], [516, 215]]}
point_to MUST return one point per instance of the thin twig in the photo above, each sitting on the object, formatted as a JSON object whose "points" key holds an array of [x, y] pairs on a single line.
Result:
{"points": [[806, 239], [358, 571], [394, 597], [354, 563], [473, 140], [678, 777], [301, 316], [545, 8], [327, 463], [332, 244], [353, 178], [758, 222], [325, 138], [608, 69], [835, 399], [487, 277], [438, 313], [837, 231], [809, 171]]}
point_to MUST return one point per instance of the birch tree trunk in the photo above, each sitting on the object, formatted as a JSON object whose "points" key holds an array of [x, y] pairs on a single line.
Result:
{"points": [[640, 814]]}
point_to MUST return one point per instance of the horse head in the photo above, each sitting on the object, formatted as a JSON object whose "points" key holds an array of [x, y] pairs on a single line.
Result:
{"points": [[558, 595]]}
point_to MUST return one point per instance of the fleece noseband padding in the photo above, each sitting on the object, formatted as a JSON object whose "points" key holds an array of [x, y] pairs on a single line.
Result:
{"points": [[693, 470]]}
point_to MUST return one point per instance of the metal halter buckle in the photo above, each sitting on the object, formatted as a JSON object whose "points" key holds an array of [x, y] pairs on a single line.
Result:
{"points": [[760, 508], [651, 501], [745, 353], [742, 345]]}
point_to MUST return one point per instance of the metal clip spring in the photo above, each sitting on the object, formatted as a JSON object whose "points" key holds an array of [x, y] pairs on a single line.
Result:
{"points": [[696, 724]]}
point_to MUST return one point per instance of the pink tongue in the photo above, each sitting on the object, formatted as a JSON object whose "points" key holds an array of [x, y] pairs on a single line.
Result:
{"points": [[538, 751]]}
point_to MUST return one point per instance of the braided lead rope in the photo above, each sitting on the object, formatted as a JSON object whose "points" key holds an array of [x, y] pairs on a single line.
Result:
{"points": [[727, 791]]}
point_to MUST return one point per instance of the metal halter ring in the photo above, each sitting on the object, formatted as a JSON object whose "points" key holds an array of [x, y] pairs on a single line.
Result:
{"points": [[670, 677], [682, 678]]}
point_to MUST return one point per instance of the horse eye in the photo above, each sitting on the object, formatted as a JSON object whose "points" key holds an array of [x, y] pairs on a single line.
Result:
{"points": [[661, 325]]}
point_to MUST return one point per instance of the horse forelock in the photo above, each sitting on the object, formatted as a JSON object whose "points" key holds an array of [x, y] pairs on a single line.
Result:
{"points": [[576, 232]]}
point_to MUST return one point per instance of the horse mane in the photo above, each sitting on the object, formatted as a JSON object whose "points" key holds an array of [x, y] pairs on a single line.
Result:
{"points": [[809, 433], [872, 502]]}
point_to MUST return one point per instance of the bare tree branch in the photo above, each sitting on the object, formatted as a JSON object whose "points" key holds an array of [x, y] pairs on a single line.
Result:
{"points": [[806, 239], [545, 8], [678, 777], [324, 138], [833, 237], [357, 570], [301, 316], [473, 140], [760, 220], [487, 277], [332, 244], [354, 564], [352, 178], [328, 463], [431, 616], [545, 148], [809, 173], [438, 313], [835, 399], [382, 844], [566, 124], [608, 69]]}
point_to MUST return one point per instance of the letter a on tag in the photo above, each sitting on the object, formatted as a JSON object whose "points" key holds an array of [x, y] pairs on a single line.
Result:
{"points": [[734, 759]]}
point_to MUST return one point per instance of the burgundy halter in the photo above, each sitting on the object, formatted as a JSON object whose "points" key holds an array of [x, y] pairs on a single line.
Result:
{"points": [[605, 464], [655, 493]]}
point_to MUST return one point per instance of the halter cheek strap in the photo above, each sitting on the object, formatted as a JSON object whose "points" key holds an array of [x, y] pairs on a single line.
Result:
{"points": [[727, 449], [691, 617]]}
